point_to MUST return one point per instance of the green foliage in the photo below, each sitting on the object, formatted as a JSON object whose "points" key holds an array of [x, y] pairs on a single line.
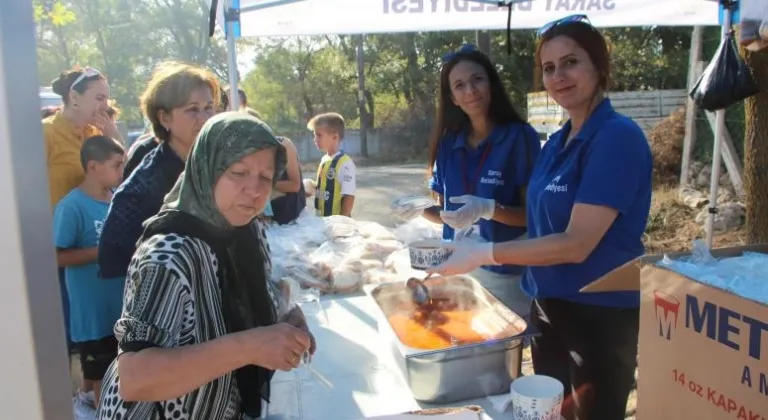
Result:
{"points": [[56, 14], [124, 39], [649, 58], [296, 77]]}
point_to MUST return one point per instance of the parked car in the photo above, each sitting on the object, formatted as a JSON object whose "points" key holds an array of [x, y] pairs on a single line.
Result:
{"points": [[49, 99]]}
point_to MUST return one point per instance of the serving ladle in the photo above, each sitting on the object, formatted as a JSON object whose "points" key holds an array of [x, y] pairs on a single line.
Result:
{"points": [[419, 291]]}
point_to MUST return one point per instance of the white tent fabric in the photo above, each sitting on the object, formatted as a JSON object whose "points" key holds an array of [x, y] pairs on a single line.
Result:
{"points": [[316, 17]]}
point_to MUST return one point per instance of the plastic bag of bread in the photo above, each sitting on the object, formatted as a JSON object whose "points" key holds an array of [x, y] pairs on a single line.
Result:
{"points": [[309, 187], [384, 246], [346, 280], [362, 265], [320, 271], [379, 275], [340, 227], [375, 249], [397, 261], [373, 230], [331, 253], [310, 276]]}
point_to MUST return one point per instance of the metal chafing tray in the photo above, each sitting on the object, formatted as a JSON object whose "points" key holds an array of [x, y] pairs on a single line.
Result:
{"points": [[459, 372]]}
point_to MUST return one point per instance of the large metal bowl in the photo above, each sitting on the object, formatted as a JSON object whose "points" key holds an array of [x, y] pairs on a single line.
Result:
{"points": [[458, 372]]}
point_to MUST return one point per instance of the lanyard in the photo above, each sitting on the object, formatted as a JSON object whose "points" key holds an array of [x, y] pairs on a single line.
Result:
{"points": [[470, 184]]}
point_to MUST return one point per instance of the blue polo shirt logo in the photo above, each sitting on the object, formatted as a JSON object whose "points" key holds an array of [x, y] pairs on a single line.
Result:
{"points": [[555, 187], [493, 178], [607, 163], [507, 157]]}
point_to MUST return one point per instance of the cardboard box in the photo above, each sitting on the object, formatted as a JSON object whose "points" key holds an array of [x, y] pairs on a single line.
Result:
{"points": [[703, 351]]}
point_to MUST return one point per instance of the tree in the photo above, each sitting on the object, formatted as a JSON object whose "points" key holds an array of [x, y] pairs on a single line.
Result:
{"points": [[756, 149], [124, 39]]}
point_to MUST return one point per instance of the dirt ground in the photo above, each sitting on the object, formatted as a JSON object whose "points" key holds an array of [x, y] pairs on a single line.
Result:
{"points": [[671, 225]]}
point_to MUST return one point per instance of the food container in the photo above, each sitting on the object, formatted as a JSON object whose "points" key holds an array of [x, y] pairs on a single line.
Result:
{"points": [[459, 372], [428, 253], [404, 205]]}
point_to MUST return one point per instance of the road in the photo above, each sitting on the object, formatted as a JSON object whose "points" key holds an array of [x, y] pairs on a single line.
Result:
{"points": [[377, 186]]}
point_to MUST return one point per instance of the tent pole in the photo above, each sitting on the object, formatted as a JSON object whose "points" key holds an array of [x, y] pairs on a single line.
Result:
{"points": [[234, 97], [361, 96], [716, 153], [35, 364], [690, 106]]}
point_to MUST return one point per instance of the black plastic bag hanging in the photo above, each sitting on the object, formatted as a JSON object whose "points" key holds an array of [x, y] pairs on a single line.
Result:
{"points": [[726, 80]]}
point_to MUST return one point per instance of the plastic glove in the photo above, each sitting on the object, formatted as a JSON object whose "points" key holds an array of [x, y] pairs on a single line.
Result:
{"points": [[474, 209], [467, 256]]}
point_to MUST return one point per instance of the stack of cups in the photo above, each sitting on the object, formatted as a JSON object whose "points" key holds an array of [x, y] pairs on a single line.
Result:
{"points": [[536, 397]]}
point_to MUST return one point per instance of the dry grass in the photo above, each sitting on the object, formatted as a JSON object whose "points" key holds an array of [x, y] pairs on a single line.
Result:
{"points": [[666, 140], [671, 226]]}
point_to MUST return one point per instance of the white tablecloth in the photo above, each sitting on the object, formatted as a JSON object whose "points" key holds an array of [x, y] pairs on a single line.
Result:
{"points": [[358, 364]]}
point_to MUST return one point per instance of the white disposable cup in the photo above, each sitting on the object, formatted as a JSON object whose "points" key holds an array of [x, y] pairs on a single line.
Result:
{"points": [[536, 397]]}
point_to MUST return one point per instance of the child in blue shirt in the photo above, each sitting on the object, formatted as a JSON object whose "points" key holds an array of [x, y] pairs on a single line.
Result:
{"points": [[95, 303]]}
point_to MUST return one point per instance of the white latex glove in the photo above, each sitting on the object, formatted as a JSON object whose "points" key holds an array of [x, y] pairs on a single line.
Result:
{"points": [[467, 256], [474, 209]]}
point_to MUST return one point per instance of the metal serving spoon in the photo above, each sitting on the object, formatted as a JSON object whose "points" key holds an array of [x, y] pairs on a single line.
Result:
{"points": [[419, 291]]}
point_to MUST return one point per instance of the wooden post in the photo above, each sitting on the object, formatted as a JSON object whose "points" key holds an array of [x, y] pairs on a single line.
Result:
{"points": [[690, 108], [730, 157], [483, 41]]}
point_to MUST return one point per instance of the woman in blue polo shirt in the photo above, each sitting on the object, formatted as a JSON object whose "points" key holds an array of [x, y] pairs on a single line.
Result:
{"points": [[588, 203], [481, 154]]}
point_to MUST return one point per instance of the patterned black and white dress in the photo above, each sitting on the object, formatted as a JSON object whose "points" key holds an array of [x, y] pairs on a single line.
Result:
{"points": [[172, 299]]}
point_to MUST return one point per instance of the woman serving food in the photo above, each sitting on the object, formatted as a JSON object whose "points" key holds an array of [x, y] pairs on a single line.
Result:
{"points": [[481, 156]]}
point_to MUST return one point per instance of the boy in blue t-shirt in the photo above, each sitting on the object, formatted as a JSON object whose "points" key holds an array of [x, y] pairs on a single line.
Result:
{"points": [[95, 303]]}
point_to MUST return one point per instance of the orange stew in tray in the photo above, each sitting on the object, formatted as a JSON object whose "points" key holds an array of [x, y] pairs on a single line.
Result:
{"points": [[440, 325]]}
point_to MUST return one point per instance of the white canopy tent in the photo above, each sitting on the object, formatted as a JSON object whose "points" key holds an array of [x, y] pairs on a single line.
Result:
{"points": [[316, 17]]}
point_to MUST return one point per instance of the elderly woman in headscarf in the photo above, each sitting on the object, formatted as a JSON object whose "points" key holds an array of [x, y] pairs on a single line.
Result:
{"points": [[200, 334]]}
